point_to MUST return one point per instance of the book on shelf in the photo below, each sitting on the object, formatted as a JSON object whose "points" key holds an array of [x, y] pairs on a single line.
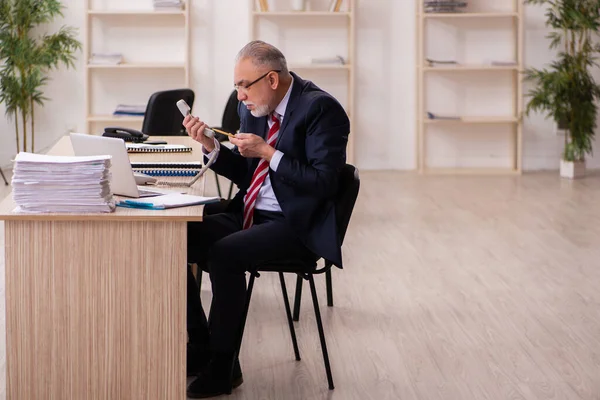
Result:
{"points": [[337, 60], [444, 6], [433, 62], [106, 59], [431, 115], [127, 109], [162, 5]]}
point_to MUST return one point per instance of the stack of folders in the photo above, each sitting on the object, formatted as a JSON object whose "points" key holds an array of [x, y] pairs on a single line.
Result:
{"points": [[59, 184], [168, 4]]}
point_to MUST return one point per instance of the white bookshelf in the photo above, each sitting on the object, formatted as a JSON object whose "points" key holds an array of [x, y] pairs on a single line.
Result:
{"points": [[280, 17], [450, 86], [146, 75]]}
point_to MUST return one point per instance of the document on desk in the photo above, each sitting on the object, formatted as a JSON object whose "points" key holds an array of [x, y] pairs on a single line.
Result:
{"points": [[171, 200], [60, 184]]}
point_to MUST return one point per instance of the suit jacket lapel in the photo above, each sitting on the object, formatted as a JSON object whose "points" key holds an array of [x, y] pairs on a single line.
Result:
{"points": [[296, 89]]}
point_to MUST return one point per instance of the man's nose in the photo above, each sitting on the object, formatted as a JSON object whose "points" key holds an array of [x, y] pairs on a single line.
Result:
{"points": [[241, 96]]}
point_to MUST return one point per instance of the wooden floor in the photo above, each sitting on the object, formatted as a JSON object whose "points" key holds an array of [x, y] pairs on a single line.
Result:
{"points": [[454, 288]]}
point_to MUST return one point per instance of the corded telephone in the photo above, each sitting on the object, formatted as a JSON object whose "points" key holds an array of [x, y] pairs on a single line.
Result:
{"points": [[127, 134]]}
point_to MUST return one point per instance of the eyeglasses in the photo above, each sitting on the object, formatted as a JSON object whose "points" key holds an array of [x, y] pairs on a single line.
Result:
{"points": [[245, 88]]}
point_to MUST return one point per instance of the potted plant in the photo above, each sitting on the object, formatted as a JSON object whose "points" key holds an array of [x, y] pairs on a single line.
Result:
{"points": [[26, 58], [567, 91]]}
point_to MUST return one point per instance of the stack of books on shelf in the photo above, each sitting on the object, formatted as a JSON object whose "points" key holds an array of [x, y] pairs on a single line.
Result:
{"points": [[444, 6], [60, 184], [130, 110], [162, 5], [337, 60], [106, 58]]}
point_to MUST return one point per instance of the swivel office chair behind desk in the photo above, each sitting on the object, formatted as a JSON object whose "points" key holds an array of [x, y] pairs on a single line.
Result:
{"points": [[162, 116]]}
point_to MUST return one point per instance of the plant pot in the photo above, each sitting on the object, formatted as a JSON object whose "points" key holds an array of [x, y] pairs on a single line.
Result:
{"points": [[572, 169]]}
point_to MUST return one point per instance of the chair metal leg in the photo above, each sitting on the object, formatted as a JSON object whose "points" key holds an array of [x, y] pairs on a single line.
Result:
{"points": [[230, 190], [298, 297], [313, 291], [329, 288], [288, 313], [3, 177], [218, 184]]}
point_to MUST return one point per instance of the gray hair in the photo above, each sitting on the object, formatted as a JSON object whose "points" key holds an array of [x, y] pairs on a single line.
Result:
{"points": [[264, 55]]}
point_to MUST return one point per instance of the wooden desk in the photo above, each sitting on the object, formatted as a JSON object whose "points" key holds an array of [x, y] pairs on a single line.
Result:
{"points": [[96, 303]]}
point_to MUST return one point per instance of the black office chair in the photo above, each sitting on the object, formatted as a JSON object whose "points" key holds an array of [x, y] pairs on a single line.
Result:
{"points": [[229, 123], [349, 185], [162, 116]]}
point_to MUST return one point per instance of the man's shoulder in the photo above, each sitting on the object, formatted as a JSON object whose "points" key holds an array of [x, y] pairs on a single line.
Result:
{"points": [[313, 97]]}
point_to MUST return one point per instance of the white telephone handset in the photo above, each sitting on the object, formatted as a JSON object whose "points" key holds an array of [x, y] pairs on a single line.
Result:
{"points": [[186, 110]]}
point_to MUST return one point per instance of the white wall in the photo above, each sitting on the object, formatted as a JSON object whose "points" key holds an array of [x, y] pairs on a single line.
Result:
{"points": [[385, 83]]}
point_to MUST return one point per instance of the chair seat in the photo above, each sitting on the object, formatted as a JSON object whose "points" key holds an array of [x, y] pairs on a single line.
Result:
{"points": [[291, 266]]}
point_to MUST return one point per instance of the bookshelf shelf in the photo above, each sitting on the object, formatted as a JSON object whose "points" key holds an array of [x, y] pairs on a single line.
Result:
{"points": [[474, 120], [320, 66], [436, 38], [137, 66], [303, 14], [471, 15], [150, 13], [472, 68], [150, 71]]}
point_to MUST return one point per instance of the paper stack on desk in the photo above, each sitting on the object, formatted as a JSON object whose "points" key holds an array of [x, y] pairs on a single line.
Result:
{"points": [[60, 184]]}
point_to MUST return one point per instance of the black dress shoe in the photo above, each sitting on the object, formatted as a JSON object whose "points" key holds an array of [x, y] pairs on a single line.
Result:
{"points": [[197, 358], [217, 378]]}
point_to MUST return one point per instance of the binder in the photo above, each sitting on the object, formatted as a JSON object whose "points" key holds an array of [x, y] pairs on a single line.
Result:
{"points": [[166, 164], [167, 172], [151, 148]]}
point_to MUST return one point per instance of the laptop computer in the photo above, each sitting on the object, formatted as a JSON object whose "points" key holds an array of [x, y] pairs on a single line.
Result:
{"points": [[123, 181]]}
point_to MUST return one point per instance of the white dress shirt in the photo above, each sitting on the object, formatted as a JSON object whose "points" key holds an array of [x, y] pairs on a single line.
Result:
{"points": [[266, 199]]}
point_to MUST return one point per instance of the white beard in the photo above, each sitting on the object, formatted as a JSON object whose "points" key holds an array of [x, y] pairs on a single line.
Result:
{"points": [[259, 111]]}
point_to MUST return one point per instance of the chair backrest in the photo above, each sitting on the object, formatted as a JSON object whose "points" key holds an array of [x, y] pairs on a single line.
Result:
{"points": [[231, 119], [348, 187], [162, 116]]}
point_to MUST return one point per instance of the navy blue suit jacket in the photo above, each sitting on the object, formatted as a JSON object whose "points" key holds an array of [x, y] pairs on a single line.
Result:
{"points": [[313, 139]]}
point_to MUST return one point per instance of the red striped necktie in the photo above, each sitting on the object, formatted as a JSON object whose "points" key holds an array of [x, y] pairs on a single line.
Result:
{"points": [[260, 173]]}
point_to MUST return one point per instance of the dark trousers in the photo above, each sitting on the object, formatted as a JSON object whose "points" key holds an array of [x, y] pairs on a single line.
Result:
{"points": [[220, 246]]}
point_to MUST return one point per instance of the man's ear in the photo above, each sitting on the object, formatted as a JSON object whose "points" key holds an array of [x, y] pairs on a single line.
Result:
{"points": [[274, 80]]}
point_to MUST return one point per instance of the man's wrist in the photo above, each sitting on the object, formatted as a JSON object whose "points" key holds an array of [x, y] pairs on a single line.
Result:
{"points": [[268, 153]]}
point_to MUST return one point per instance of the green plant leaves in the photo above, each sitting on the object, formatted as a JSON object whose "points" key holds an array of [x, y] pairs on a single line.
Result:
{"points": [[567, 91], [27, 58]]}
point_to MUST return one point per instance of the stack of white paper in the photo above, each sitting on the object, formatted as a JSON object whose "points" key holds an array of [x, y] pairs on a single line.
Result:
{"points": [[59, 184], [168, 4]]}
